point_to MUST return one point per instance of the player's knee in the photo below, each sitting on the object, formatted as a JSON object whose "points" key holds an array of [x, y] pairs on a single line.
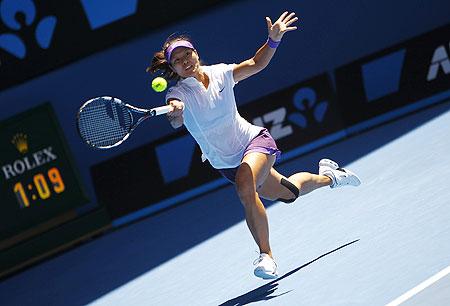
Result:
{"points": [[245, 185], [246, 193], [292, 188]]}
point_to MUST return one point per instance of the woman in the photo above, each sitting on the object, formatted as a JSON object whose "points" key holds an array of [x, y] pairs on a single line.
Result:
{"points": [[203, 100]]}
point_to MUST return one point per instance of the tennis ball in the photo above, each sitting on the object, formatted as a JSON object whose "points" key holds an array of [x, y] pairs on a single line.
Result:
{"points": [[159, 84]]}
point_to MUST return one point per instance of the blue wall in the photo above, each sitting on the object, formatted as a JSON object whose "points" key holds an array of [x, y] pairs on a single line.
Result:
{"points": [[331, 33]]}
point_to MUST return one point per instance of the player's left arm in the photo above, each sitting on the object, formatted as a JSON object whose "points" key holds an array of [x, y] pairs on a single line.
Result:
{"points": [[264, 54]]}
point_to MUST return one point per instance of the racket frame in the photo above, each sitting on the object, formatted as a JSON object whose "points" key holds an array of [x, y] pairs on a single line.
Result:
{"points": [[146, 113]]}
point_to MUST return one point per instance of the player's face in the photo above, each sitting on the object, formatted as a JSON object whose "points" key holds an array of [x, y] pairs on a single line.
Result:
{"points": [[185, 62]]}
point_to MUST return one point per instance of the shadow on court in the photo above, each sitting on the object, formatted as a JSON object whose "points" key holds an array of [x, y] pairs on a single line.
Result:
{"points": [[264, 292]]}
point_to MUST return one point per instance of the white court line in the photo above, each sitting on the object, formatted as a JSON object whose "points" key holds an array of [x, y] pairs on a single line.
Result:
{"points": [[420, 287]]}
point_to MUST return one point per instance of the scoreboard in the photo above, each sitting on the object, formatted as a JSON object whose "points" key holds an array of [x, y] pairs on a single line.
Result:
{"points": [[38, 181]]}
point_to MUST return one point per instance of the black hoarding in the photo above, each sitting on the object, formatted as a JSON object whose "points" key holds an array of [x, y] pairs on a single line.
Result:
{"points": [[39, 36], [393, 78]]}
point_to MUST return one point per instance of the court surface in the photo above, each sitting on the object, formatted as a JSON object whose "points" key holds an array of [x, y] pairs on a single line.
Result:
{"points": [[351, 246]]}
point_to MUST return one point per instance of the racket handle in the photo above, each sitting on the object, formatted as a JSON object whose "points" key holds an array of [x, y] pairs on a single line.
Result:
{"points": [[161, 110]]}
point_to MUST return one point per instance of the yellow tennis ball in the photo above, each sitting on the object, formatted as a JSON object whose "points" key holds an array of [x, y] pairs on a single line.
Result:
{"points": [[159, 84]]}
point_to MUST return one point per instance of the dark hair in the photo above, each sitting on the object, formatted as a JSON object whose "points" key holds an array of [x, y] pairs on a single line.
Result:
{"points": [[159, 61]]}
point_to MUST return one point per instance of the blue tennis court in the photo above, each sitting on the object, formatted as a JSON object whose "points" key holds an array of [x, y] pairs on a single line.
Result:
{"points": [[385, 241]]}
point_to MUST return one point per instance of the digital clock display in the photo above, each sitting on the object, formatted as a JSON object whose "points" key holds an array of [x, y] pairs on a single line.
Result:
{"points": [[41, 186], [38, 178]]}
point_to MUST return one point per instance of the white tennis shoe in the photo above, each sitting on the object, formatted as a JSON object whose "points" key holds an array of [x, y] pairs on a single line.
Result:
{"points": [[327, 164], [266, 267], [339, 176]]}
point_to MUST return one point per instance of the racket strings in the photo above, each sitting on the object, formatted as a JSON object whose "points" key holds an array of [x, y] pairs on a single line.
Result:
{"points": [[103, 123]]}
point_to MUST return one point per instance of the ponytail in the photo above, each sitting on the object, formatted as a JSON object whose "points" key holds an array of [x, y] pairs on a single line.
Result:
{"points": [[159, 62]]}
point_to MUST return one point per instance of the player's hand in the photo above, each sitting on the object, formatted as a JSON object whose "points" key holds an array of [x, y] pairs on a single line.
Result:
{"points": [[177, 109], [281, 26]]}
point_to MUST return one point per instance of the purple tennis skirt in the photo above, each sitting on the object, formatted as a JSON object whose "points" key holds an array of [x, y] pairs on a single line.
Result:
{"points": [[263, 143]]}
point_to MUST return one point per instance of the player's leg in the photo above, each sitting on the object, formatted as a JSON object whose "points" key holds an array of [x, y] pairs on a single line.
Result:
{"points": [[278, 187], [252, 172]]}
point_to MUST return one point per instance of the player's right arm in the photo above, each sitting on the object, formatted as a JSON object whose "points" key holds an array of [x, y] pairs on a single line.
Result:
{"points": [[175, 116]]}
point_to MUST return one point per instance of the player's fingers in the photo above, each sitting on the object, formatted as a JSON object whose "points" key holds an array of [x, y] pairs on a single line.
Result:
{"points": [[289, 29], [269, 23], [288, 17], [291, 21], [172, 108], [281, 18]]}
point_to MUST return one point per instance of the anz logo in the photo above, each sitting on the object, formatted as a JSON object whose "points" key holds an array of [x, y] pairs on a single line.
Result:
{"points": [[308, 110], [275, 120], [18, 16]]}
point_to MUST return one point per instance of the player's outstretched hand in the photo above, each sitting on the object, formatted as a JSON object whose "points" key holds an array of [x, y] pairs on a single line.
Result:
{"points": [[281, 26]]}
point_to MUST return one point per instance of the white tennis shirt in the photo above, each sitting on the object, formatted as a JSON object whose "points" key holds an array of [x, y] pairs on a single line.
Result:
{"points": [[212, 118]]}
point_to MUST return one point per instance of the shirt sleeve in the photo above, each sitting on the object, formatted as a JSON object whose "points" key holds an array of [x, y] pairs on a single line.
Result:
{"points": [[227, 70], [174, 93]]}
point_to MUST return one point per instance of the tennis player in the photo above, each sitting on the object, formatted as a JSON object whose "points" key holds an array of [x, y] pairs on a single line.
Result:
{"points": [[203, 101]]}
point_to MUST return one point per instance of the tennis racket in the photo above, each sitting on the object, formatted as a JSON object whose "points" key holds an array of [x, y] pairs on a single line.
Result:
{"points": [[106, 122]]}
